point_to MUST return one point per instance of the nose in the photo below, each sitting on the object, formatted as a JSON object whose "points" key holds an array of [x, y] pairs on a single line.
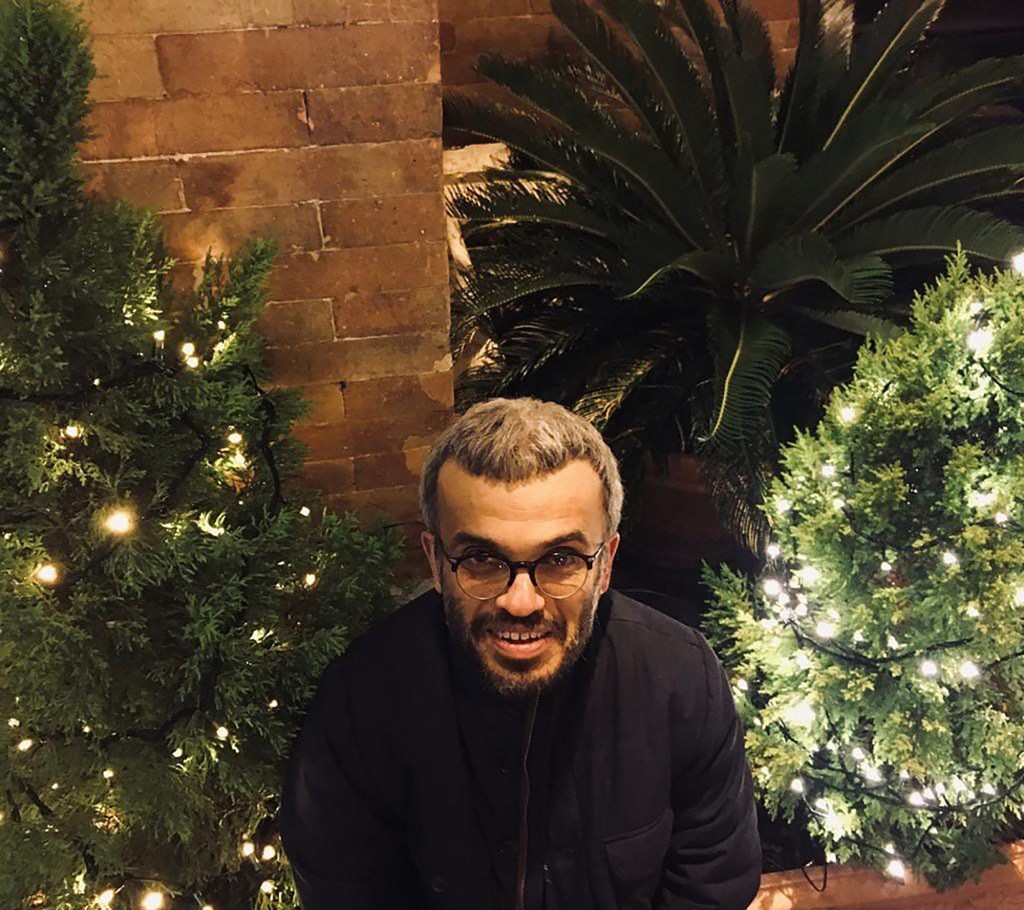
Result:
{"points": [[521, 598]]}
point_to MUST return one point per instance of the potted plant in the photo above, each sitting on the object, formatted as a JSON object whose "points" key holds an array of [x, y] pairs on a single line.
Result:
{"points": [[690, 257]]}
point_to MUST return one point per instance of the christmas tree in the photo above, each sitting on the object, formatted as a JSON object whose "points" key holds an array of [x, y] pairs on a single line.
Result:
{"points": [[879, 657], [167, 602]]}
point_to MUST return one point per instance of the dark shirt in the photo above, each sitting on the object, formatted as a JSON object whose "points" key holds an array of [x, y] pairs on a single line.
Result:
{"points": [[624, 785]]}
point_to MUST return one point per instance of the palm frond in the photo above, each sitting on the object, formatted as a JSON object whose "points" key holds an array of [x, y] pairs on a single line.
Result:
{"points": [[749, 352], [750, 104], [935, 230], [493, 205], [618, 371], [648, 263], [866, 325], [737, 480], [895, 34], [953, 96], [945, 175], [761, 194], [751, 37], [823, 51], [803, 258], [643, 163], [678, 83], [878, 138]]}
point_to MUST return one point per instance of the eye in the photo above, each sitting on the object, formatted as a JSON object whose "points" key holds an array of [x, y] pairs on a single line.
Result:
{"points": [[480, 558], [560, 558]]}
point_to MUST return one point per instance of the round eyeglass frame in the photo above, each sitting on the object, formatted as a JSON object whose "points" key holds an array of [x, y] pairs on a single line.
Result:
{"points": [[513, 569]]}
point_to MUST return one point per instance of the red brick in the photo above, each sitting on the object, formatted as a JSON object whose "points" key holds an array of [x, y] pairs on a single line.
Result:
{"points": [[414, 10], [189, 235], [272, 60], [393, 219], [150, 17], [127, 68], [216, 123], [121, 129], [332, 477], [326, 401], [389, 469], [426, 393], [394, 505], [150, 184], [370, 269], [329, 442], [360, 358], [297, 322], [367, 11], [461, 10], [357, 315], [299, 175], [377, 113]]}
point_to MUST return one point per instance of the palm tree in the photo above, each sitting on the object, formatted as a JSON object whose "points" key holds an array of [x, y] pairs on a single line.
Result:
{"points": [[689, 256]]}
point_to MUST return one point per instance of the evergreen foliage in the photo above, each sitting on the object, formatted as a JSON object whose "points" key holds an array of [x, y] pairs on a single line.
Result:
{"points": [[878, 659], [673, 236], [167, 604]]}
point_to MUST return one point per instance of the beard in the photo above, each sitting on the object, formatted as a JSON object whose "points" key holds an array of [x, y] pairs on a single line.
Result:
{"points": [[517, 678]]}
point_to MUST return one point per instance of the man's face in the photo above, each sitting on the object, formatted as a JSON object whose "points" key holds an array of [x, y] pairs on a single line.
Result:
{"points": [[562, 511]]}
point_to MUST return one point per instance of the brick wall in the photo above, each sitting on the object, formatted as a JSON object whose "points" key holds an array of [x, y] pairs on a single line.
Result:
{"points": [[316, 121], [522, 27]]}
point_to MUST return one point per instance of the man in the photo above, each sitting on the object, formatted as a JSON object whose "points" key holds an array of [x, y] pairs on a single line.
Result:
{"points": [[520, 737]]}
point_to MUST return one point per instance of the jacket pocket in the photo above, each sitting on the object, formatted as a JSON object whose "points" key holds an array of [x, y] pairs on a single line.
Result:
{"points": [[636, 859]]}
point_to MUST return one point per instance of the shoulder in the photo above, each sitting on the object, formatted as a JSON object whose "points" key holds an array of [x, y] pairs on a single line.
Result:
{"points": [[643, 635], [401, 648]]}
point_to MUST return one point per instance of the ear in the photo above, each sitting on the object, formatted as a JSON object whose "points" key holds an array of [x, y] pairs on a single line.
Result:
{"points": [[427, 542], [611, 548]]}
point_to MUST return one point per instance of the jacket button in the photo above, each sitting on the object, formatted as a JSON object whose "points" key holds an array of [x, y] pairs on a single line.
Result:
{"points": [[437, 884]]}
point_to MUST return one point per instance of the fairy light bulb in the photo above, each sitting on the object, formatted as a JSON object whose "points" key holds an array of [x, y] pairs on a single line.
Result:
{"points": [[782, 505], [108, 774], [248, 848], [828, 470], [153, 900], [949, 558], [895, 869], [773, 551], [267, 886], [969, 670], [268, 853], [858, 754], [810, 575], [801, 715], [742, 685], [797, 785], [886, 566], [1018, 263], [25, 745], [772, 587], [1018, 597], [310, 580], [72, 431], [273, 703], [1001, 518], [304, 512], [207, 907], [871, 774], [192, 362], [235, 438], [847, 414], [105, 898], [159, 336], [120, 521], [222, 732], [929, 668], [916, 798], [177, 753], [838, 503], [47, 574], [980, 341], [188, 349], [825, 629]]}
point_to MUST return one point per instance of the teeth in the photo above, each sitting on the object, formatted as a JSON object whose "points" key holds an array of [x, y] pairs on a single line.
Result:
{"points": [[519, 636]]}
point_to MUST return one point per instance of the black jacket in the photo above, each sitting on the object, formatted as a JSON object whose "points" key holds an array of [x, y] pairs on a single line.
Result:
{"points": [[407, 786]]}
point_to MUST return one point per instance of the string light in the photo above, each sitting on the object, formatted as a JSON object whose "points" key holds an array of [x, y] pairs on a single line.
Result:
{"points": [[847, 414], [828, 470], [267, 886], [801, 715], [159, 336], [949, 558], [1018, 597], [916, 798], [269, 852], [72, 431], [773, 551], [153, 900], [809, 575], [886, 566], [108, 774], [105, 898], [858, 754], [742, 685], [192, 362], [969, 670], [120, 521], [13, 722], [825, 629], [1001, 518], [177, 753], [872, 774], [772, 587], [929, 668], [976, 307], [1018, 263], [782, 506], [310, 580], [896, 869], [980, 341], [188, 349], [25, 745], [304, 512], [796, 785], [47, 574], [235, 438], [248, 848], [273, 703], [222, 733], [838, 503]]}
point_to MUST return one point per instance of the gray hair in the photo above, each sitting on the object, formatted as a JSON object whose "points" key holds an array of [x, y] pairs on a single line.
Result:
{"points": [[518, 439]]}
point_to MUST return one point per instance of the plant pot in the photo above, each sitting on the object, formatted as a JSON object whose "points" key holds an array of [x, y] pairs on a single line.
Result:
{"points": [[674, 524], [1000, 888]]}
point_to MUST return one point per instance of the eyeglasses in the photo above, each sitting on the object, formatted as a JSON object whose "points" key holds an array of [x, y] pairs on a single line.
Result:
{"points": [[558, 574]]}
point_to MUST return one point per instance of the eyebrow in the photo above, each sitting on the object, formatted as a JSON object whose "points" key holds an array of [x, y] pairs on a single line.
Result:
{"points": [[462, 538]]}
